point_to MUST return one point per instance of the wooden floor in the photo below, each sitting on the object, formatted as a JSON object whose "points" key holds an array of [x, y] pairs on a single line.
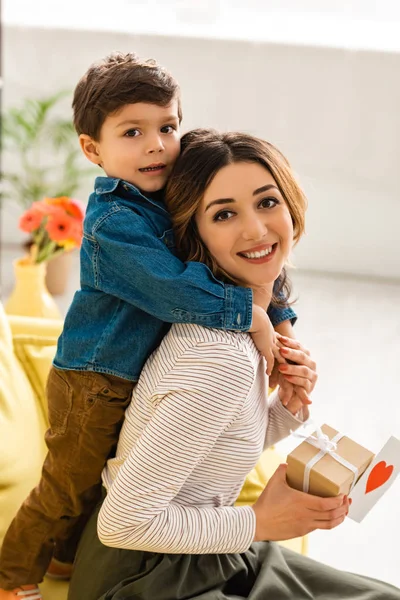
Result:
{"points": [[352, 327]]}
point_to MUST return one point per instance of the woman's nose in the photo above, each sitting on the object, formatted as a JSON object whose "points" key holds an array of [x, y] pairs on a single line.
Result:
{"points": [[254, 230]]}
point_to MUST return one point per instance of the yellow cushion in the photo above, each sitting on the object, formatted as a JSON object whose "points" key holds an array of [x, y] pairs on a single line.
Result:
{"points": [[35, 346], [35, 326], [22, 421], [54, 590], [21, 425], [36, 355]]}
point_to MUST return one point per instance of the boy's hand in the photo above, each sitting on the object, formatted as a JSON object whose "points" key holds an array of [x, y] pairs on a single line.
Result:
{"points": [[285, 329], [293, 398], [263, 335], [275, 375], [298, 379]]}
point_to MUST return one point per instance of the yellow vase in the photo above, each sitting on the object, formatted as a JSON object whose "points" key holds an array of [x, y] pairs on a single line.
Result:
{"points": [[30, 297]]}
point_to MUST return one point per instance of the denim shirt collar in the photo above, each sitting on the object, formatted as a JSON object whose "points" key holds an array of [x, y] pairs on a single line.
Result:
{"points": [[108, 185]]}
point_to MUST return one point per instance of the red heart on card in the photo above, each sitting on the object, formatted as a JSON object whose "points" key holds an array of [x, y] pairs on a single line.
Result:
{"points": [[378, 476]]}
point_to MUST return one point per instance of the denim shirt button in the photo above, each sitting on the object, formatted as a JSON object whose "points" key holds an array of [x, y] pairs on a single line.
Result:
{"points": [[126, 187]]}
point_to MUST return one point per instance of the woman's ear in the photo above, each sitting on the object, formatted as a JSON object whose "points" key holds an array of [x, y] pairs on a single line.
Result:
{"points": [[90, 148]]}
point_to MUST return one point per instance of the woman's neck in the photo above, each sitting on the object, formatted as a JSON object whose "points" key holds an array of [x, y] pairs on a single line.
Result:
{"points": [[262, 295]]}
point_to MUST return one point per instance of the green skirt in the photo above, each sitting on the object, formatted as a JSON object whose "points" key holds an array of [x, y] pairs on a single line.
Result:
{"points": [[264, 572]]}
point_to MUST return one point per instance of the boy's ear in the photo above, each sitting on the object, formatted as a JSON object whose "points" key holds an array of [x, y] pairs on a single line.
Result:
{"points": [[90, 148]]}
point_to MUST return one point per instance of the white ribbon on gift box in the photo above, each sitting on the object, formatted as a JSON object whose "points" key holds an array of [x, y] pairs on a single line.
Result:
{"points": [[325, 446]]}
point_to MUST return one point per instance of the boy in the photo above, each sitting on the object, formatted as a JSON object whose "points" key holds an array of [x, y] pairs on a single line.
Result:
{"points": [[127, 113]]}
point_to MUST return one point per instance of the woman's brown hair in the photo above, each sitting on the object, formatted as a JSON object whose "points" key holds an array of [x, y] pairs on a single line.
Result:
{"points": [[203, 153]]}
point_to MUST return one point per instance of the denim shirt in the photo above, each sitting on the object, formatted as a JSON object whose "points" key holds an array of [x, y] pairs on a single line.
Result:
{"points": [[133, 287]]}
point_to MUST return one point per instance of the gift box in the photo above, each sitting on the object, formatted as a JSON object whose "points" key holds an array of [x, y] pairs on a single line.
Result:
{"points": [[327, 463]]}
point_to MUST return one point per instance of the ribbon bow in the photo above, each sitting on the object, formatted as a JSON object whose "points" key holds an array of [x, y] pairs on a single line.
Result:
{"points": [[325, 446]]}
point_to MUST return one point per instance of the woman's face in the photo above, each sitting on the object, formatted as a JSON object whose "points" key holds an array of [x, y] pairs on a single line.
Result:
{"points": [[245, 223]]}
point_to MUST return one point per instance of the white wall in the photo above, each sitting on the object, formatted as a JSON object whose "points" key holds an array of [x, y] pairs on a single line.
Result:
{"points": [[334, 112], [334, 23]]}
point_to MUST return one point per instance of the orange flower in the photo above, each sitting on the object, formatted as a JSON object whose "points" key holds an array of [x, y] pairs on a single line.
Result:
{"points": [[30, 220], [69, 205], [76, 209], [56, 225], [60, 227], [78, 234], [75, 238], [44, 207]]}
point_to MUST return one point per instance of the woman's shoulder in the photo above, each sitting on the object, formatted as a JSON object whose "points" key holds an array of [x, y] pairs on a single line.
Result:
{"points": [[186, 337], [192, 355], [198, 334]]}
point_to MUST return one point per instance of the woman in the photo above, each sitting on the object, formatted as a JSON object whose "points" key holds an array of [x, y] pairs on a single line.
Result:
{"points": [[200, 416]]}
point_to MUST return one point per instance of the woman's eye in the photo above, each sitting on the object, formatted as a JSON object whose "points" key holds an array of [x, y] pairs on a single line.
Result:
{"points": [[167, 129], [224, 215], [132, 133], [268, 202]]}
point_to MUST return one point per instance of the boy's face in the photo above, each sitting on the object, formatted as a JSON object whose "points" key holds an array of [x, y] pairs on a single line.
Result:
{"points": [[140, 144]]}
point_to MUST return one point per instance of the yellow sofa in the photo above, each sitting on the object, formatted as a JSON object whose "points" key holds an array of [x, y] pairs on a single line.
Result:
{"points": [[27, 346]]}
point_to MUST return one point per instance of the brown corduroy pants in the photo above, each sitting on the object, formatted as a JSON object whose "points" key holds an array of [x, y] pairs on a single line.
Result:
{"points": [[86, 411]]}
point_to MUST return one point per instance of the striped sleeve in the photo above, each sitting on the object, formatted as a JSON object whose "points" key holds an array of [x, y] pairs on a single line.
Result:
{"points": [[280, 420], [194, 403]]}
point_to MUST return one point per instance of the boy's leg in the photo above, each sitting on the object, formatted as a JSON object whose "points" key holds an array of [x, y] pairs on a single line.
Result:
{"points": [[68, 539], [86, 411]]}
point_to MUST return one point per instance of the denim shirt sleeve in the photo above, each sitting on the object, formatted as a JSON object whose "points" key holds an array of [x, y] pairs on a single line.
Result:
{"points": [[278, 314], [131, 263]]}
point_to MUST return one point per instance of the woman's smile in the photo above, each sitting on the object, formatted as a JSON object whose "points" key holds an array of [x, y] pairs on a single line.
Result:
{"points": [[259, 254]]}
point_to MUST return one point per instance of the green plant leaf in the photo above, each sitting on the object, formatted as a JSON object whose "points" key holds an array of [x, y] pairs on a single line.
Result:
{"points": [[45, 151]]}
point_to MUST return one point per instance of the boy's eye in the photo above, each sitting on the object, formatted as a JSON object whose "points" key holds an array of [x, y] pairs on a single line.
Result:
{"points": [[132, 133], [168, 129], [268, 203], [223, 215]]}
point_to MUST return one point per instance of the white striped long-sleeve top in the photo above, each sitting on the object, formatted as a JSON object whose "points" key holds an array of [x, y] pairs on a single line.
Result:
{"points": [[198, 422]]}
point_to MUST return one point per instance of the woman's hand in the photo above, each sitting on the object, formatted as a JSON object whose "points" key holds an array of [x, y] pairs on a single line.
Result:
{"points": [[298, 380], [291, 400], [283, 513]]}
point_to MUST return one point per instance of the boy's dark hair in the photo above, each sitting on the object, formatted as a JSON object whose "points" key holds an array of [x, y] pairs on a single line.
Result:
{"points": [[117, 80]]}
